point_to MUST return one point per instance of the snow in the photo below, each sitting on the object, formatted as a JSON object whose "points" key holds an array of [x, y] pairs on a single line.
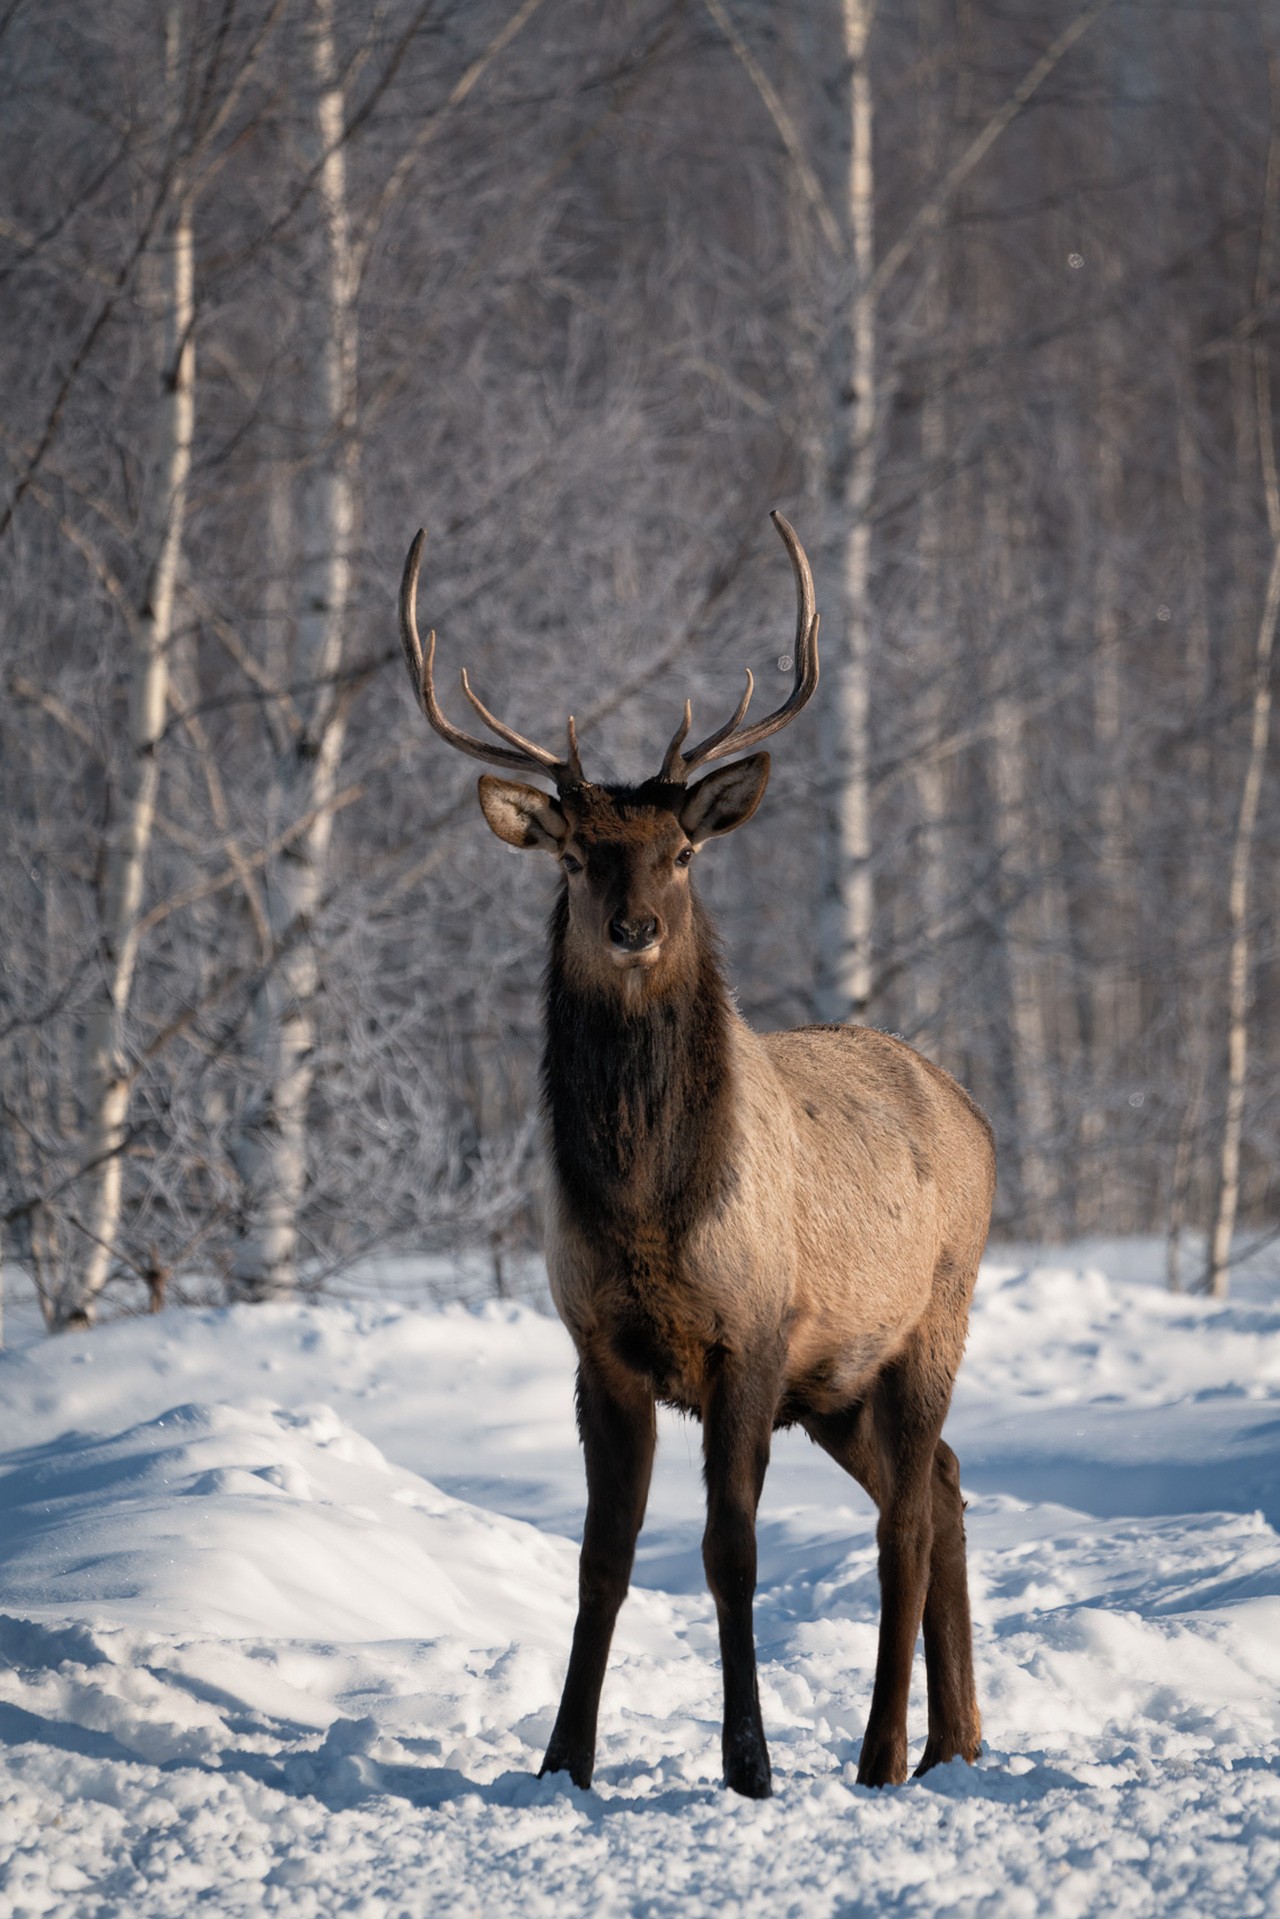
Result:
{"points": [[286, 1595]]}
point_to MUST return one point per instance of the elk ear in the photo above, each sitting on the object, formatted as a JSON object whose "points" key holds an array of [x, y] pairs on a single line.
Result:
{"points": [[522, 815], [725, 799]]}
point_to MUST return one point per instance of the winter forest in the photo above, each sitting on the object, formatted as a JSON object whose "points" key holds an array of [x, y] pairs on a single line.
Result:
{"points": [[982, 298]]}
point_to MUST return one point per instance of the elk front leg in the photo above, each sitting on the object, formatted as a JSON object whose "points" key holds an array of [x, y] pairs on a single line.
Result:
{"points": [[618, 1437], [737, 1426]]}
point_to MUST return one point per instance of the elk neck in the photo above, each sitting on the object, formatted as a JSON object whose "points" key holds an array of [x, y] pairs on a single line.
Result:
{"points": [[638, 1094]]}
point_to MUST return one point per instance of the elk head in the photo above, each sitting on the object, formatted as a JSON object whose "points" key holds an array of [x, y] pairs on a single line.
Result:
{"points": [[625, 851]]}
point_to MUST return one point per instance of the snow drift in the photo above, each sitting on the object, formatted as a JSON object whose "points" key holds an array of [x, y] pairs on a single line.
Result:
{"points": [[286, 1593]]}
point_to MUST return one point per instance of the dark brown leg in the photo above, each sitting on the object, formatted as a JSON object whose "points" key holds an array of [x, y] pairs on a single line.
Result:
{"points": [[889, 1445], [903, 1539], [618, 1438], [955, 1725], [737, 1427]]}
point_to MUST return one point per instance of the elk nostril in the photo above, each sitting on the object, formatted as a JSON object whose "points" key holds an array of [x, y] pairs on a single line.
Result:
{"points": [[632, 935]]}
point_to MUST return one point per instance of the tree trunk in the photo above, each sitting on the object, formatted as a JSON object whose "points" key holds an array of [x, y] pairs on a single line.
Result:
{"points": [[1113, 984], [1194, 1037], [271, 1154], [930, 773], [107, 1080], [845, 917], [1023, 929], [1238, 997]]}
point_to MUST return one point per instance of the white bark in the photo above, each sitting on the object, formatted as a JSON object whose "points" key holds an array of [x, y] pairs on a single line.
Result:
{"points": [[1238, 996], [1024, 927], [929, 773], [106, 1072], [1113, 988], [1238, 891], [845, 914], [271, 1148], [1197, 1038], [1030, 1048]]}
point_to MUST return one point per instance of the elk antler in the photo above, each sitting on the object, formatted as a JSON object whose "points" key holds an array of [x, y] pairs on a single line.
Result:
{"points": [[677, 766], [527, 758]]}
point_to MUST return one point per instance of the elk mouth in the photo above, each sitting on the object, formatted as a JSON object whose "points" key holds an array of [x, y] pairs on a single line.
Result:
{"points": [[634, 942], [637, 960]]}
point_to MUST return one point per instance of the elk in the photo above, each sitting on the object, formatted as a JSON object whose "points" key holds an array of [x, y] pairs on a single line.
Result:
{"points": [[760, 1229]]}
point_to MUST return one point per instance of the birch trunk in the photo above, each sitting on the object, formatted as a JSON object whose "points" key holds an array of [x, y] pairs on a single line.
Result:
{"points": [[107, 1080], [271, 1154], [1023, 923], [930, 774], [1196, 889], [845, 916], [1113, 988], [1238, 997]]}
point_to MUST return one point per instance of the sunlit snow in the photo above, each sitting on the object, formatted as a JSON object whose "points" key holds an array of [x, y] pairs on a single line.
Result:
{"points": [[286, 1595]]}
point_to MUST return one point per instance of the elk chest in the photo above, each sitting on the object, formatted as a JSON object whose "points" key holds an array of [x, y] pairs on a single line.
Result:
{"points": [[639, 1299]]}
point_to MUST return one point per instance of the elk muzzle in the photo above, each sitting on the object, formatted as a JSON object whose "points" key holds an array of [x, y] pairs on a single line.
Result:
{"points": [[634, 938]]}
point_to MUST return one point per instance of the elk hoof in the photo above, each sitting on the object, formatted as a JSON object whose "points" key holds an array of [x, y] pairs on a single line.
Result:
{"points": [[746, 1770], [883, 1762], [940, 1750], [578, 1768]]}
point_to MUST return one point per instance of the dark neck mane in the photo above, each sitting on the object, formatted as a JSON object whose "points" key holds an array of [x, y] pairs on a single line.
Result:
{"points": [[638, 1102]]}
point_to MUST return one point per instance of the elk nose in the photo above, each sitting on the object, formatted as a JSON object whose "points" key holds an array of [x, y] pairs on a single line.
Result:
{"points": [[632, 935]]}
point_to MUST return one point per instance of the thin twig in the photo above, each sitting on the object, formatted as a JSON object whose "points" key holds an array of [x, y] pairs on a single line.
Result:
{"points": [[928, 212], [788, 132]]}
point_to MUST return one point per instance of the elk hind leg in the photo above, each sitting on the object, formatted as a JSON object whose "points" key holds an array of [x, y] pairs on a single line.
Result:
{"points": [[862, 1439], [904, 1537], [955, 1724], [618, 1439], [887, 1442], [853, 1440]]}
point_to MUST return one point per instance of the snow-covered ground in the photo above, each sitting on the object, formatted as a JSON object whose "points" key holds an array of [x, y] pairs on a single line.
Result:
{"points": [[286, 1594]]}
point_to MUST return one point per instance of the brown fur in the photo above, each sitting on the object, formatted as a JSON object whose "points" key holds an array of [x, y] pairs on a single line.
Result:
{"points": [[760, 1229]]}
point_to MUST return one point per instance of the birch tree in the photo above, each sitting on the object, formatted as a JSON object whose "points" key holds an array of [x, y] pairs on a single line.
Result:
{"points": [[188, 160], [271, 1147], [846, 910], [930, 772], [128, 837], [1242, 851], [271, 1144]]}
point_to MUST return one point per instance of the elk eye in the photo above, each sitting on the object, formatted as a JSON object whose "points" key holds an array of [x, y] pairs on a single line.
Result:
{"points": [[684, 856], [570, 864]]}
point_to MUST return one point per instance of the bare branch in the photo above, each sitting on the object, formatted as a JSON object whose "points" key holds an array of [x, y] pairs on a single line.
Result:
{"points": [[789, 133], [398, 178], [927, 213]]}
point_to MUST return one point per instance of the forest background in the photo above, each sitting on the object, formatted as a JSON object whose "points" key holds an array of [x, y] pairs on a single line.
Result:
{"points": [[983, 297]]}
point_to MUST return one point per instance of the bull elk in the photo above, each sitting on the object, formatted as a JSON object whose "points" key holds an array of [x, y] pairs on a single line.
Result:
{"points": [[761, 1229]]}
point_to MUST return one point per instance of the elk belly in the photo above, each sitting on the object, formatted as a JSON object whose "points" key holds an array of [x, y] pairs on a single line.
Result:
{"points": [[829, 1366]]}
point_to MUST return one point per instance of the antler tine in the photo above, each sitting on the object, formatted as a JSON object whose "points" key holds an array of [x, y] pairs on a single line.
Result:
{"points": [[526, 758], [408, 614], [505, 732], [731, 724], [574, 776], [727, 738], [673, 768]]}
